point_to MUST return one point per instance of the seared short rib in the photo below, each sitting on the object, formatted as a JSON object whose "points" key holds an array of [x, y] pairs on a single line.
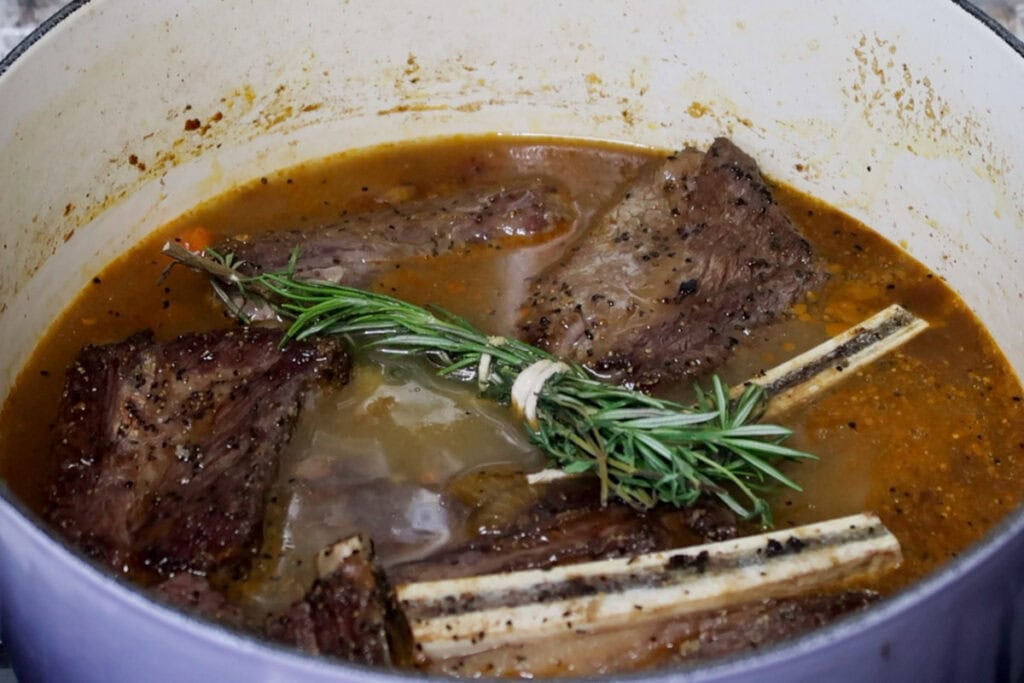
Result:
{"points": [[348, 611], [166, 451], [669, 279], [359, 248]]}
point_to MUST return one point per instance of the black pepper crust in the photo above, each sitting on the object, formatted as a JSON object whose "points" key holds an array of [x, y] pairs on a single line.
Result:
{"points": [[695, 255], [165, 451]]}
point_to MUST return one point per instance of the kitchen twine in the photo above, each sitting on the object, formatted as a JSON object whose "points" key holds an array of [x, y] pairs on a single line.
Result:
{"points": [[528, 383], [483, 371]]}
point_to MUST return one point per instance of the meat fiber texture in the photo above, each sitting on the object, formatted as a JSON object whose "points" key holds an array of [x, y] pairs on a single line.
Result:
{"points": [[346, 614], [695, 255], [357, 250], [567, 524], [166, 451], [194, 594]]}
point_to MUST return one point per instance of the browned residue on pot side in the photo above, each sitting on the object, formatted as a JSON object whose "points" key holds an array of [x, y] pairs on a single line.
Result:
{"points": [[414, 85], [239, 116], [887, 90], [241, 113], [726, 117]]}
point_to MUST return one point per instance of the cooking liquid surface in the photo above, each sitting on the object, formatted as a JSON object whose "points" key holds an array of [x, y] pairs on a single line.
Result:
{"points": [[929, 437]]}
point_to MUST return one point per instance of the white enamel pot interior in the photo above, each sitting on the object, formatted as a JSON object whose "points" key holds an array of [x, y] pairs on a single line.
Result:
{"points": [[907, 115]]}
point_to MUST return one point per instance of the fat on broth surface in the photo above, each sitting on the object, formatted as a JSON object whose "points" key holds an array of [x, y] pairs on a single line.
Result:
{"points": [[929, 437]]}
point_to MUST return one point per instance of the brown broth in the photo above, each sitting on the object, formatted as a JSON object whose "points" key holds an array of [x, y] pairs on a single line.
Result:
{"points": [[930, 437]]}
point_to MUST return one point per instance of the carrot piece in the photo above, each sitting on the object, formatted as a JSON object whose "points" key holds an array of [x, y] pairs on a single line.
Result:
{"points": [[196, 238]]}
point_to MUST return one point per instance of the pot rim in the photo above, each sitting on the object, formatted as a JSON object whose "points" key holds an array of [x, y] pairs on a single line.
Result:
{"points": [[1007, 531]]}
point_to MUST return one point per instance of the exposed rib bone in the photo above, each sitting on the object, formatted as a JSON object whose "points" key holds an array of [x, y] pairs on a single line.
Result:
{"points": [[800, 379], [454, 617]]}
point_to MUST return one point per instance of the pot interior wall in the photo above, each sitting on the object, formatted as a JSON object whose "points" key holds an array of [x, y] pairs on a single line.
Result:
{"points": [[901, 115]]}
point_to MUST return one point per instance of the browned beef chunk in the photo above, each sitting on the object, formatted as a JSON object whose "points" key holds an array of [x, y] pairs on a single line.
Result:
{"points": [[662, 286], [753, 626], [568, 524], [356, 250], [166, 451], [697, 637], [711, 521], [347, 612], [571, 536], [194, 594]]}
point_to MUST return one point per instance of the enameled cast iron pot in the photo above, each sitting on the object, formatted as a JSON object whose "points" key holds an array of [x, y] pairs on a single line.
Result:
{"points": [[908, 115]]}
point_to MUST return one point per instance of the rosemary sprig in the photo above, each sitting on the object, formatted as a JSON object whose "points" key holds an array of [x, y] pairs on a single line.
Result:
{"points": [[645, 450]]}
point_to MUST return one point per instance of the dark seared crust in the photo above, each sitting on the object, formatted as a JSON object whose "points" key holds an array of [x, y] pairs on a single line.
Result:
{"points": [[760, 624], [166, 451], [194, 594], [356, 250], [345, 614], [665, 284], [568, 524]]}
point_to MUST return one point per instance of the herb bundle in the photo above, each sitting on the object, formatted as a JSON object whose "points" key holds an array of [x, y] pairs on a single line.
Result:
{"points": [[645, 450]]}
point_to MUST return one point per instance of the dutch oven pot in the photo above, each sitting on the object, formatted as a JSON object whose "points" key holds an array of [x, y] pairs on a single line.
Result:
{"points": [[907, 115]]}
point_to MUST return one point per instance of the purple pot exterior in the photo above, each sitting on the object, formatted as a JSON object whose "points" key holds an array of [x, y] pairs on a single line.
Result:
{"points": [[62, 619], [65, 620]]}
